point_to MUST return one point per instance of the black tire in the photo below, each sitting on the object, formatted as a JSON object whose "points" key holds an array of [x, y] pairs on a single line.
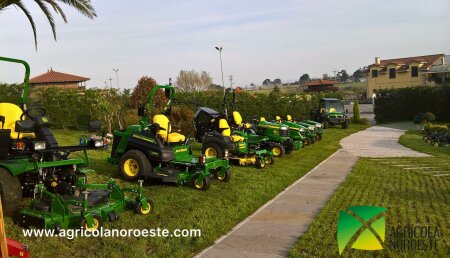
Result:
{"points": [[319, 137], [11, 192], [281, 149], [325, 124], [206, 182], [138, 208], [306, 142], [345, 125], [225, 178], [143, 165], [269, 160], [313, 140], [57, 228], [260, 163], [112, 216], [216, 147], [96, 218]]}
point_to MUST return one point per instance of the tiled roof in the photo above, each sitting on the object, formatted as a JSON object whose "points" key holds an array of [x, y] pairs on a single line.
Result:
{"points": [[404, 62], [55, 77], [320, 83]]}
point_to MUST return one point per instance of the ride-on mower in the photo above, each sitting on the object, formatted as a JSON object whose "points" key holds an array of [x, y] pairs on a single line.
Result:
{"points": [[277, 133], [30, 154], [96, 204], [330, 112], [151, 150], [217, 138], [318, 126], [307, 132]]}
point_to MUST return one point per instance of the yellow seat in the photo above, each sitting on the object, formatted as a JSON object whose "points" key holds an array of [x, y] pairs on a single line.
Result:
{"points": [[262, 119], [165, 130], [289, 117], [226, 131], [332, 109], [237, 118], [278, 119], [12, 114]]}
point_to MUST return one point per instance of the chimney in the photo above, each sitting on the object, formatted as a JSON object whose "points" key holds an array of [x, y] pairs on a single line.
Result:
{"points": [[443, 60], [377, 60]]}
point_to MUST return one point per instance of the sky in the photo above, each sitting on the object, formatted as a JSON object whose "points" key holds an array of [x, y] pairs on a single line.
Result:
{"points": [[260, 38]]}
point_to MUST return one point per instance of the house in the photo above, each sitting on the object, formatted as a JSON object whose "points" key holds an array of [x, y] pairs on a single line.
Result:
{"points": [[320, 85], [57, 79], [406, 72]]}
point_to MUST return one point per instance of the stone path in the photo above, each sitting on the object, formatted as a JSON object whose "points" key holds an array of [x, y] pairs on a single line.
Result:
{"points": [[274, 228]]}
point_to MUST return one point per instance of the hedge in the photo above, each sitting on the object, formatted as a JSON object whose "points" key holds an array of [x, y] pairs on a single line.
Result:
{"points": [[403, 104]]}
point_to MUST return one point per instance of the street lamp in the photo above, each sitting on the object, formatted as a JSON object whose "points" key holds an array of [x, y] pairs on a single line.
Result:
{"points": [[221, 67], [117, 76]]}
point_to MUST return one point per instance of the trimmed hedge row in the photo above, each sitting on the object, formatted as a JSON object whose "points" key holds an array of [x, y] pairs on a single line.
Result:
{"points": [[404, 104]]}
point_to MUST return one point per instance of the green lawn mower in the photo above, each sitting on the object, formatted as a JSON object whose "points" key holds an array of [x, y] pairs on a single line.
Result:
{"points": [[299, 131], [30, 154], [217, 138], [95, 204], [318, 126], [330, 113], [151, 150]]}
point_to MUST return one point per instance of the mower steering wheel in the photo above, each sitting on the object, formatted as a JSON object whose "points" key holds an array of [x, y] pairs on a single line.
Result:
{"points": [[27, 112]]}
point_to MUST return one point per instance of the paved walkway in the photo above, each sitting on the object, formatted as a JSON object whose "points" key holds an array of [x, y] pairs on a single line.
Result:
{"points": [[274, 228]]}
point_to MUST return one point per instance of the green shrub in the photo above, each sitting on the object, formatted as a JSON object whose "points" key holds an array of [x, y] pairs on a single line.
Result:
{"points": [[429, 117], [363, 121], [356, 115], [405, 103], [435, 128]]}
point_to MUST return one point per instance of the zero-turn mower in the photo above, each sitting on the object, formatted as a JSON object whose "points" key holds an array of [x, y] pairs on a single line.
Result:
{"points": [[30, 154], [151, 150], [218, 139]]}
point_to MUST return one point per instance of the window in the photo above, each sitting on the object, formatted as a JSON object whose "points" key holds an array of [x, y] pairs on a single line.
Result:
{"points": [[391, 73], [374, 73], [414, 71]]}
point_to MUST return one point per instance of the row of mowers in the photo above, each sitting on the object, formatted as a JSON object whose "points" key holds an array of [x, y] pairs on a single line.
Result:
{"points": [[32, 163], [438, 138]]}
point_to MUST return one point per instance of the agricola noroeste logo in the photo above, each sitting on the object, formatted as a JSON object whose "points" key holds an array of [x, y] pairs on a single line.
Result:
{"points": [[362, 227]]}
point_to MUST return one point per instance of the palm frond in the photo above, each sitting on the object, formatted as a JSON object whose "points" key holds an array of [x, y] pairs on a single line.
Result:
{"points": [[47, 14], [57, 9], [83, 6], [20, 5]]}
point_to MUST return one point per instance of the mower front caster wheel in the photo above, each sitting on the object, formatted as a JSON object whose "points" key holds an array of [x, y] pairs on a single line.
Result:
{"points": [[98, 222], [260, 163], [225, 177], [203, 184], [144, 211]]}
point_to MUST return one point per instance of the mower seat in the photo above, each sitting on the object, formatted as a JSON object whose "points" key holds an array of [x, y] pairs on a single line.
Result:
{"points": [[262, 119], [226, 131], [289, 118], [278, 119], [12, 114], [164, 130]]}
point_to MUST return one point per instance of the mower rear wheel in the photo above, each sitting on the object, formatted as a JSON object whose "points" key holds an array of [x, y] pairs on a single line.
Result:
{"points": [[278, 150], [212, 149], [11, 192], [203, 185], [98, 223], [144, 211], [345, 125], [260, 163], [226, 177], [133, 165]]}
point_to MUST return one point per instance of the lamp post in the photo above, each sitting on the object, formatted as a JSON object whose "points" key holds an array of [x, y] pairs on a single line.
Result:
{"points": [[117, 76], [221, 66]]}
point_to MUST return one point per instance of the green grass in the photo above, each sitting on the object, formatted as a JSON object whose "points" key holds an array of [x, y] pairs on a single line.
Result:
{"points": [[215, 211], [418, 196], [413, 140]]}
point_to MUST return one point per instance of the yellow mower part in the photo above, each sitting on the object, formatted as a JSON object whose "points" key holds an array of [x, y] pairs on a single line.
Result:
{"points": [[131, 167], [247, 161]]}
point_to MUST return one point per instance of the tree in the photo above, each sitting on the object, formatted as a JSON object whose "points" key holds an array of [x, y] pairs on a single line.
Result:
{"points": [[193, 81], [277, 81], [325, 76], [343, 76], [267, 82], [139, 97], [359, 74], [304, 78], [82, 6]]}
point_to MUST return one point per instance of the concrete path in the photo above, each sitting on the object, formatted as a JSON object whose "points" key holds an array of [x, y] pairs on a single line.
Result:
{"points": [[275, 227]]}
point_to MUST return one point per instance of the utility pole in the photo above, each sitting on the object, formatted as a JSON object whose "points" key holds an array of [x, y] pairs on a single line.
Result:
{"points": [[117, 77], [231, 81], [221, 66], [110, 82]]}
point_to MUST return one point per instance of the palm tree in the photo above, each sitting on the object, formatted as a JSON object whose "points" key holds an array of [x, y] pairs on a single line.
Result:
{"points": [[82, 6]]}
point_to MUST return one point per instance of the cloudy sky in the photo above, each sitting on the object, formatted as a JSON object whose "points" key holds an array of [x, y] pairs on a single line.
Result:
{"points": [[261, 38]]}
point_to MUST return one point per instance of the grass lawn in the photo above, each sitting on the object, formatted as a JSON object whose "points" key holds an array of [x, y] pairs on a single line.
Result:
{"points": [[215, 211], [415, 191]]}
